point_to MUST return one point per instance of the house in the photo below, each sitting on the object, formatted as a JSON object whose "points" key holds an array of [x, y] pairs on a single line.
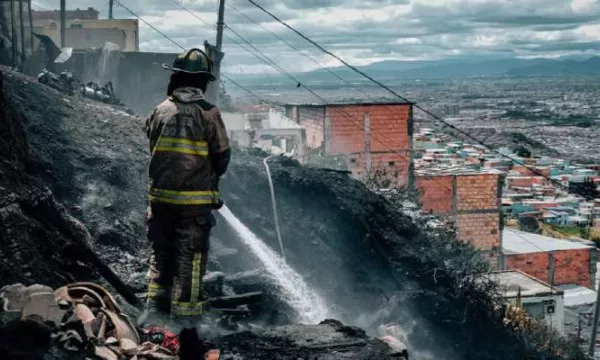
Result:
{"points": [[558, 262], [471, 200], [367, 136], [556, 218], [85, 30], [539, 299]]}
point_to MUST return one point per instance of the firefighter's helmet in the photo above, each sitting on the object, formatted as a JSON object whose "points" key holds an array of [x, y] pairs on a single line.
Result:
{"points": [[194, 61]]}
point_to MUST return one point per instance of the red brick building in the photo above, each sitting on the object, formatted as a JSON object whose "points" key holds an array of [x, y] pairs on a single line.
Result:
{"points": [[557, 262], [469, 200], [366, 135]]}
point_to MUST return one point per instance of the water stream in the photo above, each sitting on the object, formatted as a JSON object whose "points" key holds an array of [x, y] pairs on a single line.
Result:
{"points": [[311, 308]]}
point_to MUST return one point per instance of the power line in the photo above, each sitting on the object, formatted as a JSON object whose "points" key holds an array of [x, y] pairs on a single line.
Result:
{"points": [[272, 63], [396, 94], [183, 48]]}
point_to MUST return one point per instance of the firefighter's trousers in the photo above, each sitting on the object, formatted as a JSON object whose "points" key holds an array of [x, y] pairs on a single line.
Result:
{"points": [[177, 263]]}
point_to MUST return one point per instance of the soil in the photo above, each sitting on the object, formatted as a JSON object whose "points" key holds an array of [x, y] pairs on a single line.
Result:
{"points": [[372, 263]]}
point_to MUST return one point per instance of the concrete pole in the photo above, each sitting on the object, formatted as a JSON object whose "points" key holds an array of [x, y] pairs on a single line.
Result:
{"points": [[592, 347], [30, 26], [21, 19], [110, 9], [216, 55], [13, 33], [63, 24], [220, 24], [219, 46]]}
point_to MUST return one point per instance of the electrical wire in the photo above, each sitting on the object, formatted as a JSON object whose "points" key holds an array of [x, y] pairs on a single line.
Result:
{"points": [[272, 63], [183, 48], [396, 94]]}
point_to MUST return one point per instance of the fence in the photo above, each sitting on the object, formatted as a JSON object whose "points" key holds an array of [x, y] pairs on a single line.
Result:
{"points": [[16, 31]]}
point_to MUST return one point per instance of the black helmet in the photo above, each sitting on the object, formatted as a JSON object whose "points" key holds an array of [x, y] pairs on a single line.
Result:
{"points": [[194, 61]]}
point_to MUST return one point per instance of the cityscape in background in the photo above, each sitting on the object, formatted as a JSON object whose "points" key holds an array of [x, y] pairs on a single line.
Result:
{"points": [[519, 180]]}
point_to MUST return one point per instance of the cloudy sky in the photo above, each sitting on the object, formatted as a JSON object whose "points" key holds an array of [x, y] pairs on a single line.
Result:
{"points": [[366, 31]]}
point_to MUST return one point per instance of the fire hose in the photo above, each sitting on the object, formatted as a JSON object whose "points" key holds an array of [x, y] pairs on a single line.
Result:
{"points": [[274, 204]]}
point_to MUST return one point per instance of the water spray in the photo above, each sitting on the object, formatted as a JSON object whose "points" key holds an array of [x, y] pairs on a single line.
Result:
{"points": [[275, 215]]}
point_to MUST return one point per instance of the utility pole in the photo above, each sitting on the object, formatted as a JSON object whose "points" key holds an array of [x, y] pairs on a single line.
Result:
{"points": [[220, 24], [13, 32], [592, 347], [216, 55], [63, 24], [23, 52], [30, 25], [110, 9]]}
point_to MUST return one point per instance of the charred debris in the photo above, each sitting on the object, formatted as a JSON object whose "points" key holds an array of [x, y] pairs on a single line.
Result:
{"points": [[72, 178]]}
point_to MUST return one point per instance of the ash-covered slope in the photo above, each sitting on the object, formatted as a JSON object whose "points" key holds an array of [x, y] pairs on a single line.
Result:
{"points": [[345, 241], [91, 155], [375, 265]]}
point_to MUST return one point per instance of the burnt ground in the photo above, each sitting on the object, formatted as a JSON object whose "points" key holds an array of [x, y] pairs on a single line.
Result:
{"points": [[373, 264]]}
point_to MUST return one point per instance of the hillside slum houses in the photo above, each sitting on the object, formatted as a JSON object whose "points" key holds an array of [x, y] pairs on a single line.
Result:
{"points": [[485, 195]]}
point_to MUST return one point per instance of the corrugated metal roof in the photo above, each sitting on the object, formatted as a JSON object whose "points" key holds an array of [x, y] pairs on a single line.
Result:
{"points": [[520, 242], [577, 295]]}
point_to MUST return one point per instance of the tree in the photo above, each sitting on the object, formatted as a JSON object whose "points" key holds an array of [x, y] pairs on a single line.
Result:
{"points": [[522, 151], [587, 189]]}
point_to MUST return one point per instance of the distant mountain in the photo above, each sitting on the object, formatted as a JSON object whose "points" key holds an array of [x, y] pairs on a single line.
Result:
{"points": [[564, 67], [503, 67], [455, 68]]}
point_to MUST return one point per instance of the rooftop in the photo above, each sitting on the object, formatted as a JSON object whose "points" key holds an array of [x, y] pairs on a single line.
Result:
{"points": [[578, 295], [352, 103], [79, 14], [520, 242], [512, 281], [454, 170]]}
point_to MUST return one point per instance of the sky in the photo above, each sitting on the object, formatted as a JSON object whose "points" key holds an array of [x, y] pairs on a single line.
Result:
{"points": [[366, 31]]}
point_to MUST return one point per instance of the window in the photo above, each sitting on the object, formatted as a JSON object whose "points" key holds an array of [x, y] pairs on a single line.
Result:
{"points": [[353, 161], [391, 163], [76, 26]]}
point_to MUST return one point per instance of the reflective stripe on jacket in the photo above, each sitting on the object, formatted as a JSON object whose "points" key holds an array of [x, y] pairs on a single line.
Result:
{"points": [[184, 131]]}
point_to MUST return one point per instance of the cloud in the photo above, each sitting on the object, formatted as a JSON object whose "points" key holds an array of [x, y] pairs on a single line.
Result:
{"points": [[370, 30]]}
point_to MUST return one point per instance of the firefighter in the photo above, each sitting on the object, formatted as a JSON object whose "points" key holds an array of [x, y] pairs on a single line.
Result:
{"points": [[189, 153]]}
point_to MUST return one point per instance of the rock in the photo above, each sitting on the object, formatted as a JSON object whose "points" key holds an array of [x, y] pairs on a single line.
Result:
{"points": [[21, 301], [22, 339], [319, 342], [45, 306]]}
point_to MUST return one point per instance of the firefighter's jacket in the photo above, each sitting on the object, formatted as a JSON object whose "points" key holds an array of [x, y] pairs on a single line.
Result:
{"points": [[189, 152]]}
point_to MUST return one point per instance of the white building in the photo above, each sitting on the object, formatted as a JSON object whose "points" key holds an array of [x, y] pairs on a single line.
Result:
{"points": [[542, 301]]}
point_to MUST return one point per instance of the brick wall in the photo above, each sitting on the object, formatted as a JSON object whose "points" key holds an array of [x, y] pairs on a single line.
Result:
{"points": [[313, 120], [436, 194], [480, 230], [570, 266], [470, 201], [477, 192], [373, 136], [525, 182], [535, 264], [388, 127], [389, 139]]}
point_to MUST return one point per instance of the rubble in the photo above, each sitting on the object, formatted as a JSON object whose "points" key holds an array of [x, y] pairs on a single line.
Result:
{"points": [[83, 318]]}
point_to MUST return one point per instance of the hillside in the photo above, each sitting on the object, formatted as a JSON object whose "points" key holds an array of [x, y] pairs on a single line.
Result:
{"points": [[371, 263]]}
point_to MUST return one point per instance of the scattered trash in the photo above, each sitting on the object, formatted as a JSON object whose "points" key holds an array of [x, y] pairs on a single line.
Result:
{"points": [[86, 319], [66, 83], [105, 94]]}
